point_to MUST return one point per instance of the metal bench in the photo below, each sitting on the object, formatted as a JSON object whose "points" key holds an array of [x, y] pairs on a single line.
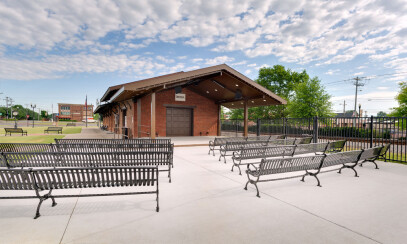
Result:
{"points": [[93, 148], [240, 157], [374, 154], [232, 146], [312, 165], [315, 148], [113, 141], [23, 147], [218, 141], [335, 146], [53, 129], [285, 142], [303, 140], [258, 138], [15, 130], [282, 165], [82, 177], [80, 159]]}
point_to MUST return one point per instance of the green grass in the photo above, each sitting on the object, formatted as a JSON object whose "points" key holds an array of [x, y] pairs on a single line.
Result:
{"points": [[30, 139], [40, 130]]}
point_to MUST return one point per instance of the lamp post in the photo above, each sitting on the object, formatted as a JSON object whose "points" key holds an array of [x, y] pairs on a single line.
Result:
{"points": [[33, 106], [15, 113]]}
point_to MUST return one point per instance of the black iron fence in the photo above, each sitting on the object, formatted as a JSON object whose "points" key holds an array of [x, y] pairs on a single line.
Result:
{"points": [[360, 132]]}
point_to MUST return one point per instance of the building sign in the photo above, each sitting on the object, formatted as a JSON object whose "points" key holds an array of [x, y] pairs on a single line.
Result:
{"points": [[180, 97]]}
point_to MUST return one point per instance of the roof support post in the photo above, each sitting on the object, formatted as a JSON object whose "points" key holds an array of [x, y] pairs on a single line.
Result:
{"points": [[219, 120], [246, 118], [152, 132], [139, 117]]}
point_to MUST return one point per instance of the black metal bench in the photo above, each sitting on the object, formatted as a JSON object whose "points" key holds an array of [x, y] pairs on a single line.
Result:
{"points": [[15, 130], [218, 141], [312, 165], [113, 141], [232, 146], [53, 129], [315, 148], [82, 177], [98, 147], [375, 154], [303, 140], [81, 159], [240, 157], [336, 146]]}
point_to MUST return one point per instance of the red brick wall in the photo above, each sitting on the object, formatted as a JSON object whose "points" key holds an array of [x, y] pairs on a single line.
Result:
{"points": [[205, 114]]}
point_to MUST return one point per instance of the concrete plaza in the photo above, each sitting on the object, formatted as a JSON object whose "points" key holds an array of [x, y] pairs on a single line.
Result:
{"points": [[206, 203]]}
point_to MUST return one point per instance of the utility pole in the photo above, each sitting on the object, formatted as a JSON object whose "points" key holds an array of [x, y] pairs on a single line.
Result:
{"points": [[344, 105], [357, 83]]}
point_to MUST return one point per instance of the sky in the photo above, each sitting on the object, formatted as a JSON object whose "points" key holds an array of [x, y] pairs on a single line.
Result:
{"points": [[62, 51]]}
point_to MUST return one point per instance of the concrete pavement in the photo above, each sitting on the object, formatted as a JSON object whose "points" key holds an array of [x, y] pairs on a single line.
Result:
{"points": [[206, 203]]}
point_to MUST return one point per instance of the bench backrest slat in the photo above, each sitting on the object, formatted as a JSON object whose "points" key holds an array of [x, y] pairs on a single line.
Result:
{"points": [[310, 148], [114, 141], [370, 153], [78, 159], [284, 165], [342, 158]]}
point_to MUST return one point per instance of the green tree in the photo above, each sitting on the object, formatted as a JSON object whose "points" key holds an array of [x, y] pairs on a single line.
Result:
{"points": [[282, 82], [310, 99], [381, 114], [401, 110]]}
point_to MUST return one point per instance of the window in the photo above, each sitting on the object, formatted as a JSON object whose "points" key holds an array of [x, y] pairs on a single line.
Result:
{"points": [[65, 113], [65, 108]]}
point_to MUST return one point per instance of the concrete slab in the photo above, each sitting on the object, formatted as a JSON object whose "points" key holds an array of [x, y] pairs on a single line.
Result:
{"points": [[206, 203]]}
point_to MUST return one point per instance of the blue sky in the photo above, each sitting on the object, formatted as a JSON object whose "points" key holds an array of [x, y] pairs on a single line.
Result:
{"points": [[60, 51]]}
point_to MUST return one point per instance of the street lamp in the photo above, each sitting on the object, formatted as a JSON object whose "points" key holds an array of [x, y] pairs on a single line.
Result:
{"points": [[15, 113], [33, 106]]}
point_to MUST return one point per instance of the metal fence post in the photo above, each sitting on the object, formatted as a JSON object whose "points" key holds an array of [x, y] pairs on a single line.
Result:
{"points": [[371, 131], [284, 126], [316, 129], [258, 127], [237, 127]]}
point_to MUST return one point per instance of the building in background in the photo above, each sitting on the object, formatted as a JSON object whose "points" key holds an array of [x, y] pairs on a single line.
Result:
{"points": [[74, 111], [181, 104]]}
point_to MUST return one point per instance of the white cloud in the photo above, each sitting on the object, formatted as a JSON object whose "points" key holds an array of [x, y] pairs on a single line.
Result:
{"points": [[299, 31], [56, 66], [382, 88], [219, 60]]}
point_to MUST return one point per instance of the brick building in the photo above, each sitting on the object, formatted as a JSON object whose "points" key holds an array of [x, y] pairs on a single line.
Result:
{"points": [[182, 103], [74, 111]]}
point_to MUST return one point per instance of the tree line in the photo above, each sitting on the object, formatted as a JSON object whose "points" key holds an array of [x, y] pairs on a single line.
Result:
{"points": [[305, 96], [22, 113]]}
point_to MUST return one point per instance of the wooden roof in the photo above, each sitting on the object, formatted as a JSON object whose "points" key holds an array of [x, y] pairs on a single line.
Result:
{"points": [[220, 83]]}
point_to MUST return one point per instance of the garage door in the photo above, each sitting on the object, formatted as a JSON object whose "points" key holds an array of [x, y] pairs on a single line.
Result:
{"points": [[179, 122]]}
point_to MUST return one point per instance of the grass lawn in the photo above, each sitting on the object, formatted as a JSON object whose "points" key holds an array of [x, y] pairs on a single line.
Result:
{"points": [[40, 130], [30, 139]]}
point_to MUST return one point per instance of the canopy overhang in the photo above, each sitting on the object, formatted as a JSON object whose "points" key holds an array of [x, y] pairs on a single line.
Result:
{"points": [[219, 83]]}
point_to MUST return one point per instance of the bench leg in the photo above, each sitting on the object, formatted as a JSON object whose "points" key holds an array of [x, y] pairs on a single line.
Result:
{"points": [[169, 172], [42, 199], [349, 167], [254, 182], [311, 174], [372, 161]]}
